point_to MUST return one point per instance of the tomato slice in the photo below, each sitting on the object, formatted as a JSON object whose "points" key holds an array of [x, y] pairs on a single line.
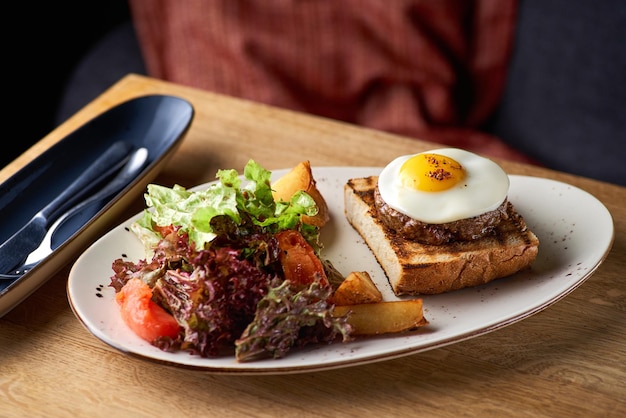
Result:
{"points": [[142, 315], [164, 230], [299, 261]]}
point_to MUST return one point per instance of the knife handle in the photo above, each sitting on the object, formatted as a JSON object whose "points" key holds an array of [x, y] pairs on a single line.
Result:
{"points": [[96, 171]]}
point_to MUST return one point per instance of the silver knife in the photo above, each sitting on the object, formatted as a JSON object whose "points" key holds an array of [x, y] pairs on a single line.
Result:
{"points": [[19, 245], [131, 169]]}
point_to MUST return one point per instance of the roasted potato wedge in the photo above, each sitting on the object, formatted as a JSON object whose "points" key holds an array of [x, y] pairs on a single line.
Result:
{"points": [[356, 288], [383, 317], [301, 178]]}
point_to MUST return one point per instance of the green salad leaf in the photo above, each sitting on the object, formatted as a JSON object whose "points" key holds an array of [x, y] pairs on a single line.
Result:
{"points": [[247, 199]]}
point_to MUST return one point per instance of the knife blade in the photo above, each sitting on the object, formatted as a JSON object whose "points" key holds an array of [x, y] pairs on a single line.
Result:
{"points": [[14, 250]]}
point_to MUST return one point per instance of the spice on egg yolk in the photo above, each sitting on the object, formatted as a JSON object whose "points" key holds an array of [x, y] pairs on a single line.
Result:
{"points": [[431, 172]]}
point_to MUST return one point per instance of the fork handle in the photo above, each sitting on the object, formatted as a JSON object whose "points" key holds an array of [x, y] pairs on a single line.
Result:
{"points": [[133, 166]]}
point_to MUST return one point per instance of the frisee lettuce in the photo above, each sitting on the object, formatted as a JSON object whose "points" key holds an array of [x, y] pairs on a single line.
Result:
{"points": [[247, 199]]}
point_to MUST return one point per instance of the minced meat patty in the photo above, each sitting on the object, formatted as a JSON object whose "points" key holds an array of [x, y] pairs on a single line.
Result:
{"points": [[437, 234]]}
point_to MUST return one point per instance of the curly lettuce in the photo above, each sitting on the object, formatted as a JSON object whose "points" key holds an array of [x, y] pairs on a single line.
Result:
{"points": [[287, 317]]}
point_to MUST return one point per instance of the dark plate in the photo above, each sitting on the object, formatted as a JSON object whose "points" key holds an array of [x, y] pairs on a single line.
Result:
{"points": [[156, 122]]}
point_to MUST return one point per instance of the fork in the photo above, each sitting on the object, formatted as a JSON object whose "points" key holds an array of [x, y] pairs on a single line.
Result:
{"points": [[127, 173]]}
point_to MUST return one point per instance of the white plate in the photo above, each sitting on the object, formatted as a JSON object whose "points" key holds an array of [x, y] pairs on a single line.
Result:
{"points": [[574, 228]]}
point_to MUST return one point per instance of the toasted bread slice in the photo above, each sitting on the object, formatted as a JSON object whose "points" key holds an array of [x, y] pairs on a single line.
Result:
{"points": [[413, 268]]}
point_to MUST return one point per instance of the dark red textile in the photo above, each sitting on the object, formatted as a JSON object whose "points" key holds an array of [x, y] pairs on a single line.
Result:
{"points": [[428, 69]]}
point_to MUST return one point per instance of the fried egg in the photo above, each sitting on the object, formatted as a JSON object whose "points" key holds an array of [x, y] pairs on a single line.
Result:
{"points": [[443, 185]]}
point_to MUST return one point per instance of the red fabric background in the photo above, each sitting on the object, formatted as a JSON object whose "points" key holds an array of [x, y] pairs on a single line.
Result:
{"points": [[428, 69]]}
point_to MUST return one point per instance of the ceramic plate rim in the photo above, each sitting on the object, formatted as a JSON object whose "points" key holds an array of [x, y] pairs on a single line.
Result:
{"points": [[337, 355]]}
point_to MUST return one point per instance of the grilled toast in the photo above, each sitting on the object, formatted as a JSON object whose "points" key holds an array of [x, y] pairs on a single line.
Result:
{"points": [[417, 269]]}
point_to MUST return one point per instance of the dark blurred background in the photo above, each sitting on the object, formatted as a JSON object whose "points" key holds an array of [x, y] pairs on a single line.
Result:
{"points": [[563, 104], [45, 42]]}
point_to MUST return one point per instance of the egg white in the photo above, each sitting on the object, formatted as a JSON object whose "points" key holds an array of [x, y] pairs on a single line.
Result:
{"points": [[483, 189]]}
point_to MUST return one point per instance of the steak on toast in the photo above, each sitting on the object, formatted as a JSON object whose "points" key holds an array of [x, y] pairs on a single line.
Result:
{"points": [[414, 268]]}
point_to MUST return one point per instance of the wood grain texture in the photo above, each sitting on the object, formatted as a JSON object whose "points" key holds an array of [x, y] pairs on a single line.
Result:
{"points": [[569, 360]]}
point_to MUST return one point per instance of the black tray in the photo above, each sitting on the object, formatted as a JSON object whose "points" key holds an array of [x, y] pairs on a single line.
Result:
{"points": [[156, 122]]}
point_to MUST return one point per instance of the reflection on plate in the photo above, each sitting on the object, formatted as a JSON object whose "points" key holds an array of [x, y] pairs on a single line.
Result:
{"points": [[156, 122], [575, 230]]}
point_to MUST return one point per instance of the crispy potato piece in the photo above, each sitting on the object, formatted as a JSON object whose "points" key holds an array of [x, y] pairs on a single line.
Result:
{"points": [[356, 288], [301, 178], [383, 317]]}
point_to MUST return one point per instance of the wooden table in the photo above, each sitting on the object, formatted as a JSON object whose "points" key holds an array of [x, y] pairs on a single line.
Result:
{"points": [[569, 360]]}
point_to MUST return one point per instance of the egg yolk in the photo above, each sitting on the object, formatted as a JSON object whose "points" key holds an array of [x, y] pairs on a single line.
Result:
{"points": [[431, 172]]}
